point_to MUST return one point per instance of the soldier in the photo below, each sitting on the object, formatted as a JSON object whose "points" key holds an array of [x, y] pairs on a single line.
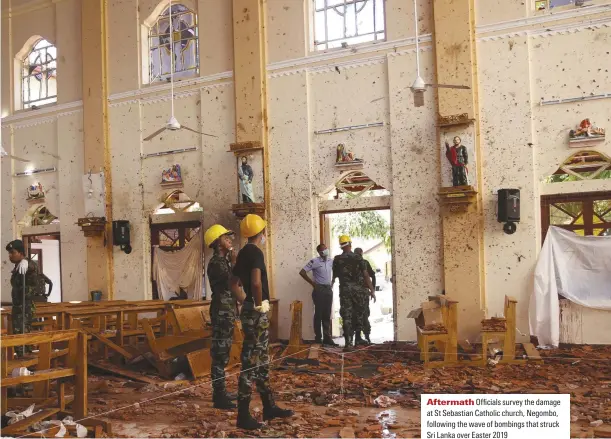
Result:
{"points": [[222, 310], [372, 275], [250, 270], [24, 283], [352, 273]]}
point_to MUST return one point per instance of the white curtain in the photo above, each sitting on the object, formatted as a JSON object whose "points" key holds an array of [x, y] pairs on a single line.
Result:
{"points": [[180, 269], [578, 268]]}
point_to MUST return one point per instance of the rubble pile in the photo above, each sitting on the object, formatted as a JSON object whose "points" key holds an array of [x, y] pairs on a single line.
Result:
{"points": [[379, 395], [495, 324]]}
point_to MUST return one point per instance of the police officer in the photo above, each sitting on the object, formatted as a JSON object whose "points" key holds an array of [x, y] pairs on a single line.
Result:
{"points": [[353, 295], [24, 283], [250, 270], [372, 275], [222, 310]]}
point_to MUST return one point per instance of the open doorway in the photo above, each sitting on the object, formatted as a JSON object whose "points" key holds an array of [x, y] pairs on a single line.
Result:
{"points": [[370, 231], [45, 251]]}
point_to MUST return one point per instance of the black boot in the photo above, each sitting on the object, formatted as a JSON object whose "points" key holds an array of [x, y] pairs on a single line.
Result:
{"points": [[271, 410], [367, 338], [358, 341], [348, 343], [329, 342], [221, 400], [245, 420]]}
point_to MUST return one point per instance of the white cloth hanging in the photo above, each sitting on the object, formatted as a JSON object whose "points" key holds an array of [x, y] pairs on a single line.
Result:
{"points": [[180, 269], [576, 267]]}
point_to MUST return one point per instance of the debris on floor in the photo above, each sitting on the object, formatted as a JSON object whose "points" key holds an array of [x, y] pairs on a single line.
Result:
{"points": [[358, 409]]}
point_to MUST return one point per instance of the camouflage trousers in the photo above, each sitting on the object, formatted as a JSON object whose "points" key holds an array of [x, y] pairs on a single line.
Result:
{"points": [[255, 354], [353, 306], [222, 314], [18, 321], [366, 324]]}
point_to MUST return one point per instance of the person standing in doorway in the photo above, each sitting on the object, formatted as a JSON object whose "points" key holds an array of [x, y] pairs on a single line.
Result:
{"points": [[366, 325], [24, 284], [250, 270], [222, 310], [352, 273], [322, 295]]}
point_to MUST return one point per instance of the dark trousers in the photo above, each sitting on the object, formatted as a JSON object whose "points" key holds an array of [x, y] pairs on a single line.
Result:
{"points": [[323, 301]]}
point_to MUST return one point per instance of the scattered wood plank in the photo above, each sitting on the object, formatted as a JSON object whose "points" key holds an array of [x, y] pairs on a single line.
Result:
{"points": [[531, 351], [314, 351], [115, 370], [466, 346], [24, 424], [200, 362]]}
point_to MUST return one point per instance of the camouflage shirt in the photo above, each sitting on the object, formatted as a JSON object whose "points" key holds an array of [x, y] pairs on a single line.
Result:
{"points": [[32, 284], [219, 273], [349, 267]]}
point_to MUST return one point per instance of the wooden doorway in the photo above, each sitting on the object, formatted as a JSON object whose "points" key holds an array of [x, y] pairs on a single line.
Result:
{"points": [[171, 237], [45, 250]]}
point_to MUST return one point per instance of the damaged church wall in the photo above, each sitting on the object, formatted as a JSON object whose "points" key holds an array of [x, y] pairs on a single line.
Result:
{"points": [[55, 130], [516, 74], [311, 91]]}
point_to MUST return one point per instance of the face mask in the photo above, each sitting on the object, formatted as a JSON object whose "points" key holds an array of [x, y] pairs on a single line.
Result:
{"points": [[325, 252]]}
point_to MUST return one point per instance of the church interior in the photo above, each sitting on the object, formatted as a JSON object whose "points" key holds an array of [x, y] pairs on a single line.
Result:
{"points": [[471, 170]]}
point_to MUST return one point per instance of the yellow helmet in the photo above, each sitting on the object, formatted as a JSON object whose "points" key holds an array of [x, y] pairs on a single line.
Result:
{"points": [[252, 225], [214, 233], [344, 240]]}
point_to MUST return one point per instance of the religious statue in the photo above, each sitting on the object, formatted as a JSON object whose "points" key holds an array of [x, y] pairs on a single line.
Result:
{"points": [[586, 129], [35, 192], [171, 175], [246, 175], [345, 157], [459, 159]]}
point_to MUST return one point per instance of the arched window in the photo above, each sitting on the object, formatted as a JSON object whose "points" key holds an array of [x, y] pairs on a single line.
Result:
{"points": [[584, 165], [39, 75], [179, 29], [357, 184]]}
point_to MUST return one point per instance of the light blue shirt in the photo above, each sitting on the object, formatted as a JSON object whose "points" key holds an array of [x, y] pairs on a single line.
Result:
{"points": [[322, 270]]}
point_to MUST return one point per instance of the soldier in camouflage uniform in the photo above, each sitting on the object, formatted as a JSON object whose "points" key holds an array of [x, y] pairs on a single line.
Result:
{"points": [[372, 275], [251, 272], [353, 295], [24, 271], [222, 310]]}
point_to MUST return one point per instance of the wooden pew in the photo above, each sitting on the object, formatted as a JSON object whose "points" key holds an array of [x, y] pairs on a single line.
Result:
{"points": [[446, 337], [74, 367]]}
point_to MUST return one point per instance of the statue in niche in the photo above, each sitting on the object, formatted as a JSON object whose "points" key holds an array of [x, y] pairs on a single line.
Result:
{"points": [[586, 130], [459, 159], [345, 157], [246, 175], [35, 192]]}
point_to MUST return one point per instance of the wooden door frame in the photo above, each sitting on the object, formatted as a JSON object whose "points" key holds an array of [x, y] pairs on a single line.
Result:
{"points": [[587, 198], [27, 242]]}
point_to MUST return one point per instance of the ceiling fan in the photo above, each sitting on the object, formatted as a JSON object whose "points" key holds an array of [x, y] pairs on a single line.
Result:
{"points": [[419, 86], [3, 154], [173, 124]]}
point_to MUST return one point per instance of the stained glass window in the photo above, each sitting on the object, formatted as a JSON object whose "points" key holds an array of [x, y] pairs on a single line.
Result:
{"points": [[338, 23], [39, 75], [174, 32]]}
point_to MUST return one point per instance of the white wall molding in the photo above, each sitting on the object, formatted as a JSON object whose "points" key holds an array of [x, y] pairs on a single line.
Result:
{"points": [[552, 31], [544, 18], [197, 83], [35, 122], [50, 111]]}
